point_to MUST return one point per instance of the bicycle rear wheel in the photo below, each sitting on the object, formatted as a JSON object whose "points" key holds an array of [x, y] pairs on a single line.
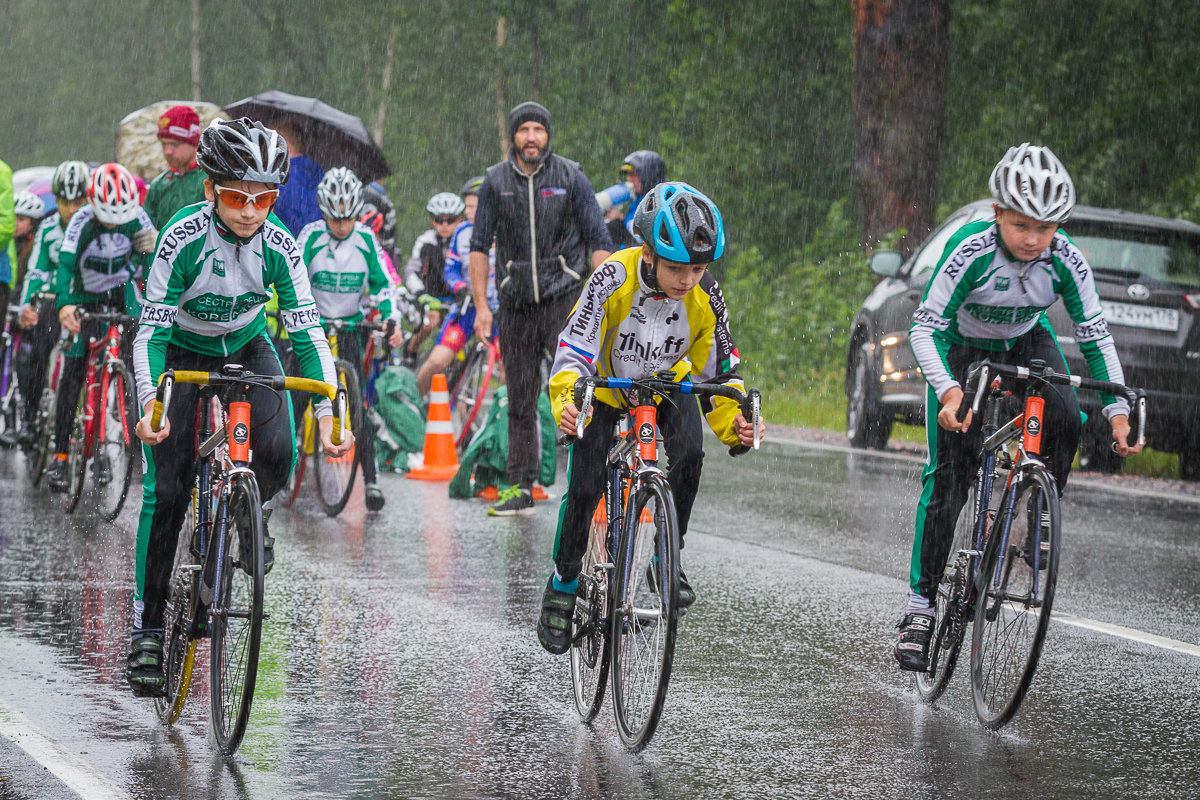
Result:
{"points": [[645, 611], [179, 649], [589, 651], [117, 453], [237, 615], [470, 393], [335, 476], [1014, 598], [950, 619]]}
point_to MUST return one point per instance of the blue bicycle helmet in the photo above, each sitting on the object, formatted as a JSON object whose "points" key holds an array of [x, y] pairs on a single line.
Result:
{"points": [[681, 224]]}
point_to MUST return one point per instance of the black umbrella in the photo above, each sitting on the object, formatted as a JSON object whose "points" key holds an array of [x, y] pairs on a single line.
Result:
{"points": [[332, 138]]}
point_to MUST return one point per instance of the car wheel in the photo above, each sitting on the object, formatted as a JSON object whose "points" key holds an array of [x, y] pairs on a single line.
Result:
{"points": [[1095, 448], [868, 424], [1189, 463]]}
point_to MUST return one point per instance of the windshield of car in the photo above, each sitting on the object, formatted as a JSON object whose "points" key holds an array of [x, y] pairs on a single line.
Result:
{"points": [[1166, 258]]}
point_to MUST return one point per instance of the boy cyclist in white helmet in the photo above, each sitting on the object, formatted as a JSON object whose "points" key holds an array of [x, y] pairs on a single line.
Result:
{"points": [[345, 266], [987, 300]]}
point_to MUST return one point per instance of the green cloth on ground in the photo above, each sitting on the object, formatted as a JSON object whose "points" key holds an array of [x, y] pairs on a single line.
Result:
{"points": [[484, 461]]}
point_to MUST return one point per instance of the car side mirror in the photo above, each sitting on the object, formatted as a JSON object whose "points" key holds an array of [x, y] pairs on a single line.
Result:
{"points": [[885, 263]]}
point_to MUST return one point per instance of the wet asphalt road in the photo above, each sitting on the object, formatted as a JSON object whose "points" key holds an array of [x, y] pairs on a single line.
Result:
{"points": [[400, 658]]}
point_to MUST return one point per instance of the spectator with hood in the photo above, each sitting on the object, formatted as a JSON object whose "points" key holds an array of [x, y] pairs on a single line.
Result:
{"points": [[641, 171]]}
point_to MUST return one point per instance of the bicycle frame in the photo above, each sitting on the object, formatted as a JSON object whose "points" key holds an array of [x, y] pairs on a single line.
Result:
{"points": [[101, 355]]}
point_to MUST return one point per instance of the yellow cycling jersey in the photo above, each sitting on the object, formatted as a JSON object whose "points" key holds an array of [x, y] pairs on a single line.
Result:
{"points": [[621, 328]]}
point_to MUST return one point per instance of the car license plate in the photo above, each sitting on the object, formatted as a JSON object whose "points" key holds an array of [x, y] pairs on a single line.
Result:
{"points": [[1157, 319]]}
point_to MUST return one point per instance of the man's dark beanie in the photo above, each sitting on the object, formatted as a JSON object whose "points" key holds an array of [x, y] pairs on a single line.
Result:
{"points": [[528, 112]]}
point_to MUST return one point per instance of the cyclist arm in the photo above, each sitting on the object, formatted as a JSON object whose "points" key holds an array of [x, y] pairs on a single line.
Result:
{"points": [[1075, 282], [298, 313], [714, 359], [379, 287], [37, 274], [8, 213]]}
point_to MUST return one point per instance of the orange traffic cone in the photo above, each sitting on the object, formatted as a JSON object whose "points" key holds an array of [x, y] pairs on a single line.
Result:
{"points": [[441, 462]]}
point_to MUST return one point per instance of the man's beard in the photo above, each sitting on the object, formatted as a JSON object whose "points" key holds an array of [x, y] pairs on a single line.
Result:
{"points": [[537, 159]]}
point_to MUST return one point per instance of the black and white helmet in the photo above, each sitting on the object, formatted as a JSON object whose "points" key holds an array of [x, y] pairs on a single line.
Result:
{"points": [[70, 181], [28, 204], [243, 150], [339, 194], [1032, 181], [445, 204]]}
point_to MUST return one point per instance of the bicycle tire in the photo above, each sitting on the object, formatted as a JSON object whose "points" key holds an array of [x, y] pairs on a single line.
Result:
{"points": [[120, 441], [645, 619], [233, 662], [307, 426], [335, 476], [179, 648], [39, 454], [589, 640], [77, 453], [470, 393], [951, 613], [1010, 623]]}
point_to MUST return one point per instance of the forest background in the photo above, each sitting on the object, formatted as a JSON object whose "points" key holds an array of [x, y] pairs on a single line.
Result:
{"points": [[753, 103]]}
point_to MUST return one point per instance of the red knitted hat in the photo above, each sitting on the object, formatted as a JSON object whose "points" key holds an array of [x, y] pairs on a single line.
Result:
{"points": [[180, 123]]}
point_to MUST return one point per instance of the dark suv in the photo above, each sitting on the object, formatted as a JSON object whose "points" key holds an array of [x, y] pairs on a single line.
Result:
{"points": [[1147, 271]]}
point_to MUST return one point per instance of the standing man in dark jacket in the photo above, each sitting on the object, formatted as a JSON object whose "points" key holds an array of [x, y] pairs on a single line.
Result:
{"points": [[541, 210]]}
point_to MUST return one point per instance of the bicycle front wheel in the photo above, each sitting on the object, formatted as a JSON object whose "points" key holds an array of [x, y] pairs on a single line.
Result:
{"points": [[117, 452], [77, 454], [237, 615], [39, 454], [335, 476], [1015, 593], [950, 618], [589, 651], [645, 614]]}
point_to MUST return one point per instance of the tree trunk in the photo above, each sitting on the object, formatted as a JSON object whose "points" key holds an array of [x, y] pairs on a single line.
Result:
{"points": [[501, 111], [899, 97], [196, 50], [385, 85]]}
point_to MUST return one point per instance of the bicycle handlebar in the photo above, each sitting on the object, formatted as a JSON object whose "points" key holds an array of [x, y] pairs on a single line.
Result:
{"points": [[169, 378], [980, 374], [749, 403], [105, 316]]}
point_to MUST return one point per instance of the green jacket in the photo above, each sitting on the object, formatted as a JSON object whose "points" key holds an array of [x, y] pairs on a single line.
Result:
{"points": [[171, 191], [8, 225]]}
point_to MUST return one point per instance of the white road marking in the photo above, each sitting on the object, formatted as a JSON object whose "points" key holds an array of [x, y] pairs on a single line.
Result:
{"points": [[1122, 632], [76, 774]]}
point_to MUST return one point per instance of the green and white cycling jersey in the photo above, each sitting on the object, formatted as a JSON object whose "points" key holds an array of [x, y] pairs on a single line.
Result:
{"points": [[343, 271], [206, 292], [43, 259], [980, 295], [93, 259]]}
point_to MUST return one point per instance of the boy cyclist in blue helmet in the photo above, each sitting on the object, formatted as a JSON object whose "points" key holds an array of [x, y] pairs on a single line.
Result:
{"points": [[645, 310]]}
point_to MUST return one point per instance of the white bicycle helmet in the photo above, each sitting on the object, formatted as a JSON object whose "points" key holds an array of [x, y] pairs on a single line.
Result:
{"points": [[1032, 181], [243, 150], [339, 194], [113, 194], [70, 181], [446, 204], [28, 204]]}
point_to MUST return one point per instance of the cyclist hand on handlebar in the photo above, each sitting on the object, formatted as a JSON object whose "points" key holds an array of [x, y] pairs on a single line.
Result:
{"points": [[28, 318], [1120, 435], [66, 315], [147, 433], [570, 416], [325, 424], [745, 431], [948, 416]]}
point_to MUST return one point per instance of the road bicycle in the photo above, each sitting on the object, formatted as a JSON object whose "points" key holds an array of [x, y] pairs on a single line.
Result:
{"points": [[1004, 556], [217, 584], [102, 434], [335, 477], [468, 392], [10, 398], [627, 601]]}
